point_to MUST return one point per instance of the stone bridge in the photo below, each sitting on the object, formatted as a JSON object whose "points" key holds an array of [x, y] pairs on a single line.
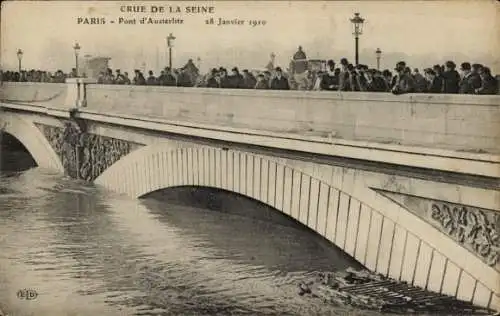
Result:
{"points": [[407, 185]]}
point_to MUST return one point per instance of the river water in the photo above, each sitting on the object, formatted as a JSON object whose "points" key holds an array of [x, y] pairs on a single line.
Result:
{"points": [[86, 251]]}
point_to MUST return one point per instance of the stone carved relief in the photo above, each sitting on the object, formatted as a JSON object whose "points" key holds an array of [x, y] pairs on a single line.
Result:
{"points": [[83, 155], [63, 142], [476, 229], [98, 153]]}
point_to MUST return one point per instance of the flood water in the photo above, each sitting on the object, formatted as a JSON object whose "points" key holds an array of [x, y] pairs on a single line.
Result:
{"points": [[86, 251]]}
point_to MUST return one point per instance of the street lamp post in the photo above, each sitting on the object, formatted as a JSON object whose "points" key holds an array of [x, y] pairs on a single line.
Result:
{"points": [[357, 23], [170, 44], [77, 52], [378, 53], [19, 58]]}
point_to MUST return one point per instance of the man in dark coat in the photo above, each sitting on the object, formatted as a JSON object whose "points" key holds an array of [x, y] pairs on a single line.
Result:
{"points": [[435, 83], [344, 82], [167, 78], [375, 82], [279, 82], [119, 79], [470, 80], [224, 79], [402, 81], [151, 81], [420, 81], [261, 82], [249, 80], [126, 79], [139, 78], [352, 78], [184, 78], [236, 79], [489, 84], [451, 78], [330, 80], [212, 79]]}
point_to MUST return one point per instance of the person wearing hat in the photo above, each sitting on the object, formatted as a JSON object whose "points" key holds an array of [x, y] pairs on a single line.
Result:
{"points": [[249, 80], [119, 79], [344, 82], [223, 79], [168, 78], [489, 84], [211, 81], [262, 82], [420, 81], [470, 80], [108, 77], [374, 81], [139, 78], [354, 82], [126, 79], [329, 80], [402, 82], [451, 78], [151, 81], [434, 82], [184, 79], [400, 66], [361, 78], [236, 79], [279, 82]]}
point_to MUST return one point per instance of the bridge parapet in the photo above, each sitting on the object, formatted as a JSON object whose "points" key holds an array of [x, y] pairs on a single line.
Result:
{"points": [[46, 94], [50, 95], [456, 122]]}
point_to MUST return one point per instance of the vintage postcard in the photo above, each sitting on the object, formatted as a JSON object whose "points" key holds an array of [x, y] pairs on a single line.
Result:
{"points": [[249, 158]]}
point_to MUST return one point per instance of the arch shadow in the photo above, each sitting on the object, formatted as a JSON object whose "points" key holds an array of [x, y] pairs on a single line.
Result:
{"points": [[32, 139], [14, 156]]}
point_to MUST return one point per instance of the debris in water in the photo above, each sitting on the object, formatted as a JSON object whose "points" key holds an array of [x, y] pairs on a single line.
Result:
{"points": [[366, 290]]}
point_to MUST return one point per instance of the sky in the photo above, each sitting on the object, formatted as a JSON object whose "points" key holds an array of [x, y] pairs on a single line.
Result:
{"points": [[422, 33]]}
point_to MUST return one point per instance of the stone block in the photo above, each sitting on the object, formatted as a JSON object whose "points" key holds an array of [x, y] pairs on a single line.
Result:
{"points": [[374, 240], [365, 214], [352, 226]]}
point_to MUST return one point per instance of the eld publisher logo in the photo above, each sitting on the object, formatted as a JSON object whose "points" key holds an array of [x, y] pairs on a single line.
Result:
{"points": [[27, 294]]}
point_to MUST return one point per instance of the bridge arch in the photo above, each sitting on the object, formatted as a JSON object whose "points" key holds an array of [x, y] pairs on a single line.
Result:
{"points": [[32, 139], [379, 234]]}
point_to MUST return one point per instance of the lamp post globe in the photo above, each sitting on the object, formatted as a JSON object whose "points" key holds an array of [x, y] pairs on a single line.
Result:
{"points": [[19, 58], [170, 44], [378, 53], [357, 24], [76, 48]]}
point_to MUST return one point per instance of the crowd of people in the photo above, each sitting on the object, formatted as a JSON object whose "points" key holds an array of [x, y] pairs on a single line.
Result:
{"points": [[472, 79], [36, 76]]}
